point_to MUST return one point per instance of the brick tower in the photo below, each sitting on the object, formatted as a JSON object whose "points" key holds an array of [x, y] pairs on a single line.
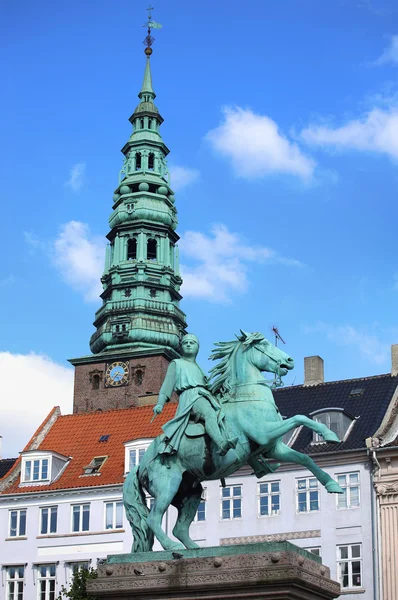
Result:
{"points": [[140, 324]]}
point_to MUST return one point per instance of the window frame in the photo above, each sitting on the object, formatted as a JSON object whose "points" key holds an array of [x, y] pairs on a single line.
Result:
{"points": [[231, 498], [347, 488], [203, 501], [18, 533], [48, 593], [81, 513], [137, 445], [307, 490], [49, 519], [317, 438], [114, 504], [349, 560], [14, 595], [32, 460], [268, 494]]}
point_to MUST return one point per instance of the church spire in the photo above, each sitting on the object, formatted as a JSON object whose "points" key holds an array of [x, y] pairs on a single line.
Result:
{"points": [[147, 94], [141, 281]]}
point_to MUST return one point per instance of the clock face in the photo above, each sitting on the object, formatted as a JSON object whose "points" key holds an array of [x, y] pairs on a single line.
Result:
{"points": [[117, 374]]}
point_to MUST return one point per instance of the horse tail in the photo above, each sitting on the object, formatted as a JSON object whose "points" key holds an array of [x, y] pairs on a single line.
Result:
{"points": [[137, 512]]}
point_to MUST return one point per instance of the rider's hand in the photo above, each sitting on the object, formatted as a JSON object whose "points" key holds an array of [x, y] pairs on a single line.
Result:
{"points": [[157, 409]]}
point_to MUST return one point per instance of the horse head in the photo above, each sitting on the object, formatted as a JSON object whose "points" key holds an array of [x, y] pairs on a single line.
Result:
{"points": [[242, 360], [264, 355]]}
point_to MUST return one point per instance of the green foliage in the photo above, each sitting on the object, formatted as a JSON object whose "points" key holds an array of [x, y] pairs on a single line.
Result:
{"points": [[77, 589]]}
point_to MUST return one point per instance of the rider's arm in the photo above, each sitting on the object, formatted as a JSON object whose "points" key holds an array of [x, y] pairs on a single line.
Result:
{"points": [[168, 385]]}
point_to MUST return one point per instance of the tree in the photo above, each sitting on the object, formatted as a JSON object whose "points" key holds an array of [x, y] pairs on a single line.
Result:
{"points": [[77, 589]]}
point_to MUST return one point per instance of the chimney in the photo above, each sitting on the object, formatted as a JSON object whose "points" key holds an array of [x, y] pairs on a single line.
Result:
{"points": [[313, 370], [394, 359]]}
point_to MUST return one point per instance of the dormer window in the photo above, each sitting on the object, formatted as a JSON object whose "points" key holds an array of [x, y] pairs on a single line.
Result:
{"points": [[36, 470], [336, 419], [40, 467], [134, 451]]}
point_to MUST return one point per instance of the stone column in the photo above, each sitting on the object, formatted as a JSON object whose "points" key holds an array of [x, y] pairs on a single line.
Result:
{"points": [[388, 501]]}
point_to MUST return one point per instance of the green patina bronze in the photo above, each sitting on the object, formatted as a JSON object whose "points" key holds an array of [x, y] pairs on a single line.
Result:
{"points": [[218, 427], [141, 280]]}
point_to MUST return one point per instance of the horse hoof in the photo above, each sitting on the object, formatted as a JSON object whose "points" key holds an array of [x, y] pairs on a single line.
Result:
{"points": [[333, 488], [330, 436]]}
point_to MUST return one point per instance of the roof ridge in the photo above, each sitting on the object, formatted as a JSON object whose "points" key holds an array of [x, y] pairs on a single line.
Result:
{"points": [[338, 381], [106, 412]]}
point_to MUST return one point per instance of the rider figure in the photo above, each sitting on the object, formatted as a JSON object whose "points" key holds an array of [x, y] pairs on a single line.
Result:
{"points": [[195, 401]]}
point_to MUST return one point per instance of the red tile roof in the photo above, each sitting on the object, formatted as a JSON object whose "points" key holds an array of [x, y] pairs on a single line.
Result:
{"points": [[77, 436]]}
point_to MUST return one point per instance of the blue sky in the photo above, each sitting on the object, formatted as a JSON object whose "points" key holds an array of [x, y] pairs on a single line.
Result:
{"points": [[282, 120]]}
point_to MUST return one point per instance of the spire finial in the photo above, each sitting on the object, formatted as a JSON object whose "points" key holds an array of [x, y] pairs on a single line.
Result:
{"points": [[150, 24]]}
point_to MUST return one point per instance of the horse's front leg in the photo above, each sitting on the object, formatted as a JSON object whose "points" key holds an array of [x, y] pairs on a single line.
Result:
{"points": [[283, 453], [276, 430]]}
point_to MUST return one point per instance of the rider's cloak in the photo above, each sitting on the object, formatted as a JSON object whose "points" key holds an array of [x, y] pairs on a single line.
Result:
{"points": [[188, 380]]}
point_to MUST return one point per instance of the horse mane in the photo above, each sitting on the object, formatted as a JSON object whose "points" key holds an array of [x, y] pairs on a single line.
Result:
{"points": [[221, 373], [224, 351]]}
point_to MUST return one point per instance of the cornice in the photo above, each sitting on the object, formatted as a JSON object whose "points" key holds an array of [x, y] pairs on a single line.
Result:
{"points": [[123, 354], [388, 429], [62, 493]]}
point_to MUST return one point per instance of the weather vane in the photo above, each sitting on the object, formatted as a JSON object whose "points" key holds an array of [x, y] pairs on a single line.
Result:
{"points": [[150, 24]]}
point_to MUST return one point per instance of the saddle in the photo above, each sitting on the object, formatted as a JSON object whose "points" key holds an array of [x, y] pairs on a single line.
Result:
{"points": [[195, 430]]}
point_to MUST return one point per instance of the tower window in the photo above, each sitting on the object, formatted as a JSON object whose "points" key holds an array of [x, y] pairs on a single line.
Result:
{"points": [[152, 250], [96, 382], [138, 377], [132, 249], [149, 123], [137, 161], [151, 161], [142, 123]]}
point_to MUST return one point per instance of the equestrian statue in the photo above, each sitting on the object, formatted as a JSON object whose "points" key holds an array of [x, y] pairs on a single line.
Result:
{"points": [[219, 426]]}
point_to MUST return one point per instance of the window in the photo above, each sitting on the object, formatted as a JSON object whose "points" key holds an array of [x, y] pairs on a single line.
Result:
{"points": [[349, 565], [349, 482], [134, 452], [15, 582], [314, 550], [95, 465], [336, 420], [46, 575], [142, 123], [231, 502], [269, 500], [36, 470], [137, 161], [48, 520], [152, 249], [96, 382], [151, 161], [135, 457], [74, 567], [138, 376], [307, 494], [18, 523], [80, 517], [132, 249], [201, 512], [114, 515]]}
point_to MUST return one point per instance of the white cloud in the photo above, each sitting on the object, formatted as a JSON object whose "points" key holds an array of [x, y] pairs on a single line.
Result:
{"points": [[223, 259], [376, 131], [390, 54], [41, 385], [79, 257], [256, 147], [367, 344], [181, 177], [77, 176]]}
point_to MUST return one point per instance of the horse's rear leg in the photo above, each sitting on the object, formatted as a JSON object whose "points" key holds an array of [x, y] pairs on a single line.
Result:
{"points": [[186, 501], [283, 453], [163, 488]]}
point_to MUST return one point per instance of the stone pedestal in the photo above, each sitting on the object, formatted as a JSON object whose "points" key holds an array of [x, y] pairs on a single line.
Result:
{"points": [[272, 571]]}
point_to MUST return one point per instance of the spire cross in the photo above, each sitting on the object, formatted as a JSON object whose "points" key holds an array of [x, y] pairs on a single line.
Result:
{"points": [[150, 25]]}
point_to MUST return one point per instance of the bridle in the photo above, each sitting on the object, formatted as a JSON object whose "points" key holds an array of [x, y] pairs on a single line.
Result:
{"points": [[277, 381]]}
